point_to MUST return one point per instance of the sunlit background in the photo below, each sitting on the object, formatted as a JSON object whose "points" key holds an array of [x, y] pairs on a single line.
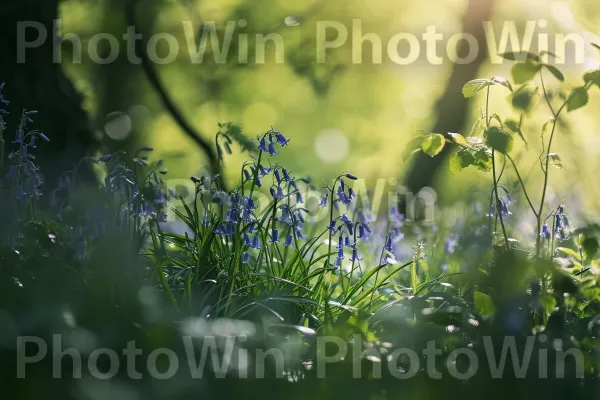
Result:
{"points": [[340, 116]]}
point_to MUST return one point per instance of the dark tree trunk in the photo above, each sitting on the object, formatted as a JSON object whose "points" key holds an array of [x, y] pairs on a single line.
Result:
{"points": [[452, 109], [39, 84]]}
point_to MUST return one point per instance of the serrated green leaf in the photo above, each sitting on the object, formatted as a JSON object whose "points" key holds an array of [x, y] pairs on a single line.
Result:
{"points": [[433, 144], [475, 86], [483, 160], [503, 82], [525, 71], [579, 97], [484, 305], [458, 138], [498, 139], [556, 72], [461, 160]]}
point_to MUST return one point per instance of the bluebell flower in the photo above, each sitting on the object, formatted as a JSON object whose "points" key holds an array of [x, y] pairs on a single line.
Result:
{"points": [[271, 149], [340, 248], [282, 140], [286, 216], [262, 146], [350, 176], [256, 242], [280, 192], [275, 236], [286, 175], [299, 198], [503, 208], [247, 174], [492, 211], [289, 239], [388, 245], [545, 232], [277, 176], [299, 233], [355, 256], [323, 202], [44, 137], [347, 241], [245, 257], [450, 245]]}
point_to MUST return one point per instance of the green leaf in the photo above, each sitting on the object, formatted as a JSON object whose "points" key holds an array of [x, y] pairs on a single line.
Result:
{"points": [[590, 247], [475, 86], [596, 46], [498, 139], [514, 126], [483, 160], [458, 139], [592, 76], [579, 97], [555, 160], [413, 146], [525, 71], [484, 305], [523, 98], [569, 252], [503, 82], [556, 72], [520, 56], [461, 160], [433, 144]]}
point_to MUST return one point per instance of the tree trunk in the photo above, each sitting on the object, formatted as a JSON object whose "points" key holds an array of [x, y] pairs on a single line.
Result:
{"points": [[452, 108], [39, 84]]}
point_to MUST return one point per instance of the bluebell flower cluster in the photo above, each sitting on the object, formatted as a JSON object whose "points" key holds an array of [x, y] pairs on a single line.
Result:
{"points": [[22, 172], [267, 142], [561, 224]]}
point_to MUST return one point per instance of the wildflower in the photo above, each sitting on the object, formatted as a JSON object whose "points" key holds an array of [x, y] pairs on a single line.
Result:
{"points": [[355, 256], [44, 137], [323, 202], [275, 236], [289, 239], [247, 174], [286, 175], [340, 248], [299, 198], [503, 208], [256, 242], [282, 140], [450, 245], [545, 232], [262, 146], [350, 176], [271, 149], [277, 176], [245, 257], [388, 245]]}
